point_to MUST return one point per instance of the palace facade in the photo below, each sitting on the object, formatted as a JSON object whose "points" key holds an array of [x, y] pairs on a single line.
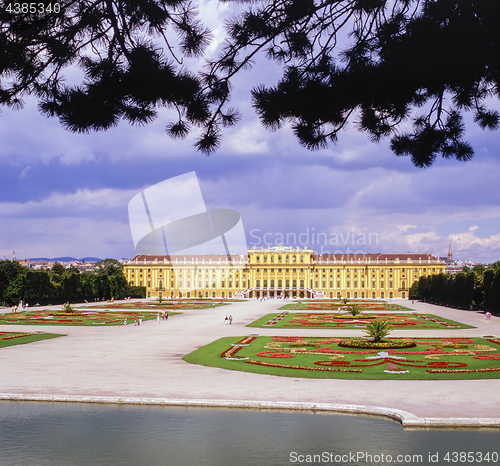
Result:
{"points": [[281, 271]]}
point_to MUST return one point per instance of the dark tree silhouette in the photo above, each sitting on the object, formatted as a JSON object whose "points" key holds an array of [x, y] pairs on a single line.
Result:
{"points": [[118, 44], [409, 71], [420, 61]]}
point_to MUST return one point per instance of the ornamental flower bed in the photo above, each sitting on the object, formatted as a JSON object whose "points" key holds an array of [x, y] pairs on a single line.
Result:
{"points": [[328, 357], [57, 318], [19, 338], [164, 306], [400, 321], [335, 305]]}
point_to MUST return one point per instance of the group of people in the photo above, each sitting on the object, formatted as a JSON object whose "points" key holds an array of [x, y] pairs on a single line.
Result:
{"points": [[228, 319], [21, 304], [163, 316]]}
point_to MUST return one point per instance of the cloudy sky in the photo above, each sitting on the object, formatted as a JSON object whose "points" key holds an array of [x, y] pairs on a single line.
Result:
{"points": [[65, 194]]}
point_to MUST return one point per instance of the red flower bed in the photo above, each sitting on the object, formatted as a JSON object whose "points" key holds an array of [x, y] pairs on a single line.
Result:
{"points": [[274, 354], [269, 364]]}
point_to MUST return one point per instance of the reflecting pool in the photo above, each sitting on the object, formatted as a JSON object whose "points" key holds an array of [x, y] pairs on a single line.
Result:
{"points": [[66, 434]]}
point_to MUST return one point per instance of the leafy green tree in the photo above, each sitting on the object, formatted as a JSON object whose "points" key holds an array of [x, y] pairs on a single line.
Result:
{"points": [[37, 286], [413, 294], [378, 330], [419, 61], [11, 281]]}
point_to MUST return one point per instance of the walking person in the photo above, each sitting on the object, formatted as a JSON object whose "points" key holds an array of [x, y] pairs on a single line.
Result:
{"points": [[230, 319], [488, 315], [213, 306], [225, 320], [140, 321], [166, 315], [158, 317], [135, 320]]}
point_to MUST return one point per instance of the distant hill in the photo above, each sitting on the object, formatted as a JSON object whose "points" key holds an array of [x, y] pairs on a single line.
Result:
{"points": [[64, 259]]}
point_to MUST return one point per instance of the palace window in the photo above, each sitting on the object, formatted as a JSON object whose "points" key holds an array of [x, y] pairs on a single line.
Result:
{"points": [[301, 258], [287, 259], [294, 259], [280, 284], [237, 284], [382, 284], [324, 284], [265, 258], [390, 283], [302, 283], [279, 258], [272, 258], [258, 259], [230, 284], [338, 283], [287, 283], [348, 283], [222, 283], [355, 283], [265, 283], [160, 284], [294, 283], [272, 283], [373, 284], [331, 283], [404, 284], [257, 283]]}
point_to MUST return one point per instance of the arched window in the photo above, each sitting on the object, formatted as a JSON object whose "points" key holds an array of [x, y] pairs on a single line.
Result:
{"points": [[287, 283], [294, 284], [287, 258], [265, 258], [258, 258], [294, 259], [302, 283], [280, 284], [279, 258], [160, 284], [272, 258], [301, 258], [258, 284], [272, 283], [404, 283], [265, 283]]}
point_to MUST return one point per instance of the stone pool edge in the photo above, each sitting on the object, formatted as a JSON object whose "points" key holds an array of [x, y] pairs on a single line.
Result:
{"points": [[406, 419]]}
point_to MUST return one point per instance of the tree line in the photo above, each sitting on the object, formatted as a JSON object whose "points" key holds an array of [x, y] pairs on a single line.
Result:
{"points": [[478, 287], [60, 284]]}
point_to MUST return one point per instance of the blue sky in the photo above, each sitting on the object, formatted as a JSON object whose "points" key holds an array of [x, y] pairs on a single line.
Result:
{"points": [[66, 194]]}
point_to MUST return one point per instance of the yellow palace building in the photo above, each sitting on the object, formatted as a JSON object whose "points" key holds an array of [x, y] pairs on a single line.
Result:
{"points": [[280, 271]]}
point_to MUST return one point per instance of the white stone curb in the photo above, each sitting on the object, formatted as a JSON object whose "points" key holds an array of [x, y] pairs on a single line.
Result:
{"points": [[405, 418]]}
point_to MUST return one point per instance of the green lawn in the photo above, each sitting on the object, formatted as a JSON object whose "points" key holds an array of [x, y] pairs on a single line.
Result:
{"points": [[400, 321], [87, 317], [335, 305], [314, 357], [164, 306], [21, 338]]}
